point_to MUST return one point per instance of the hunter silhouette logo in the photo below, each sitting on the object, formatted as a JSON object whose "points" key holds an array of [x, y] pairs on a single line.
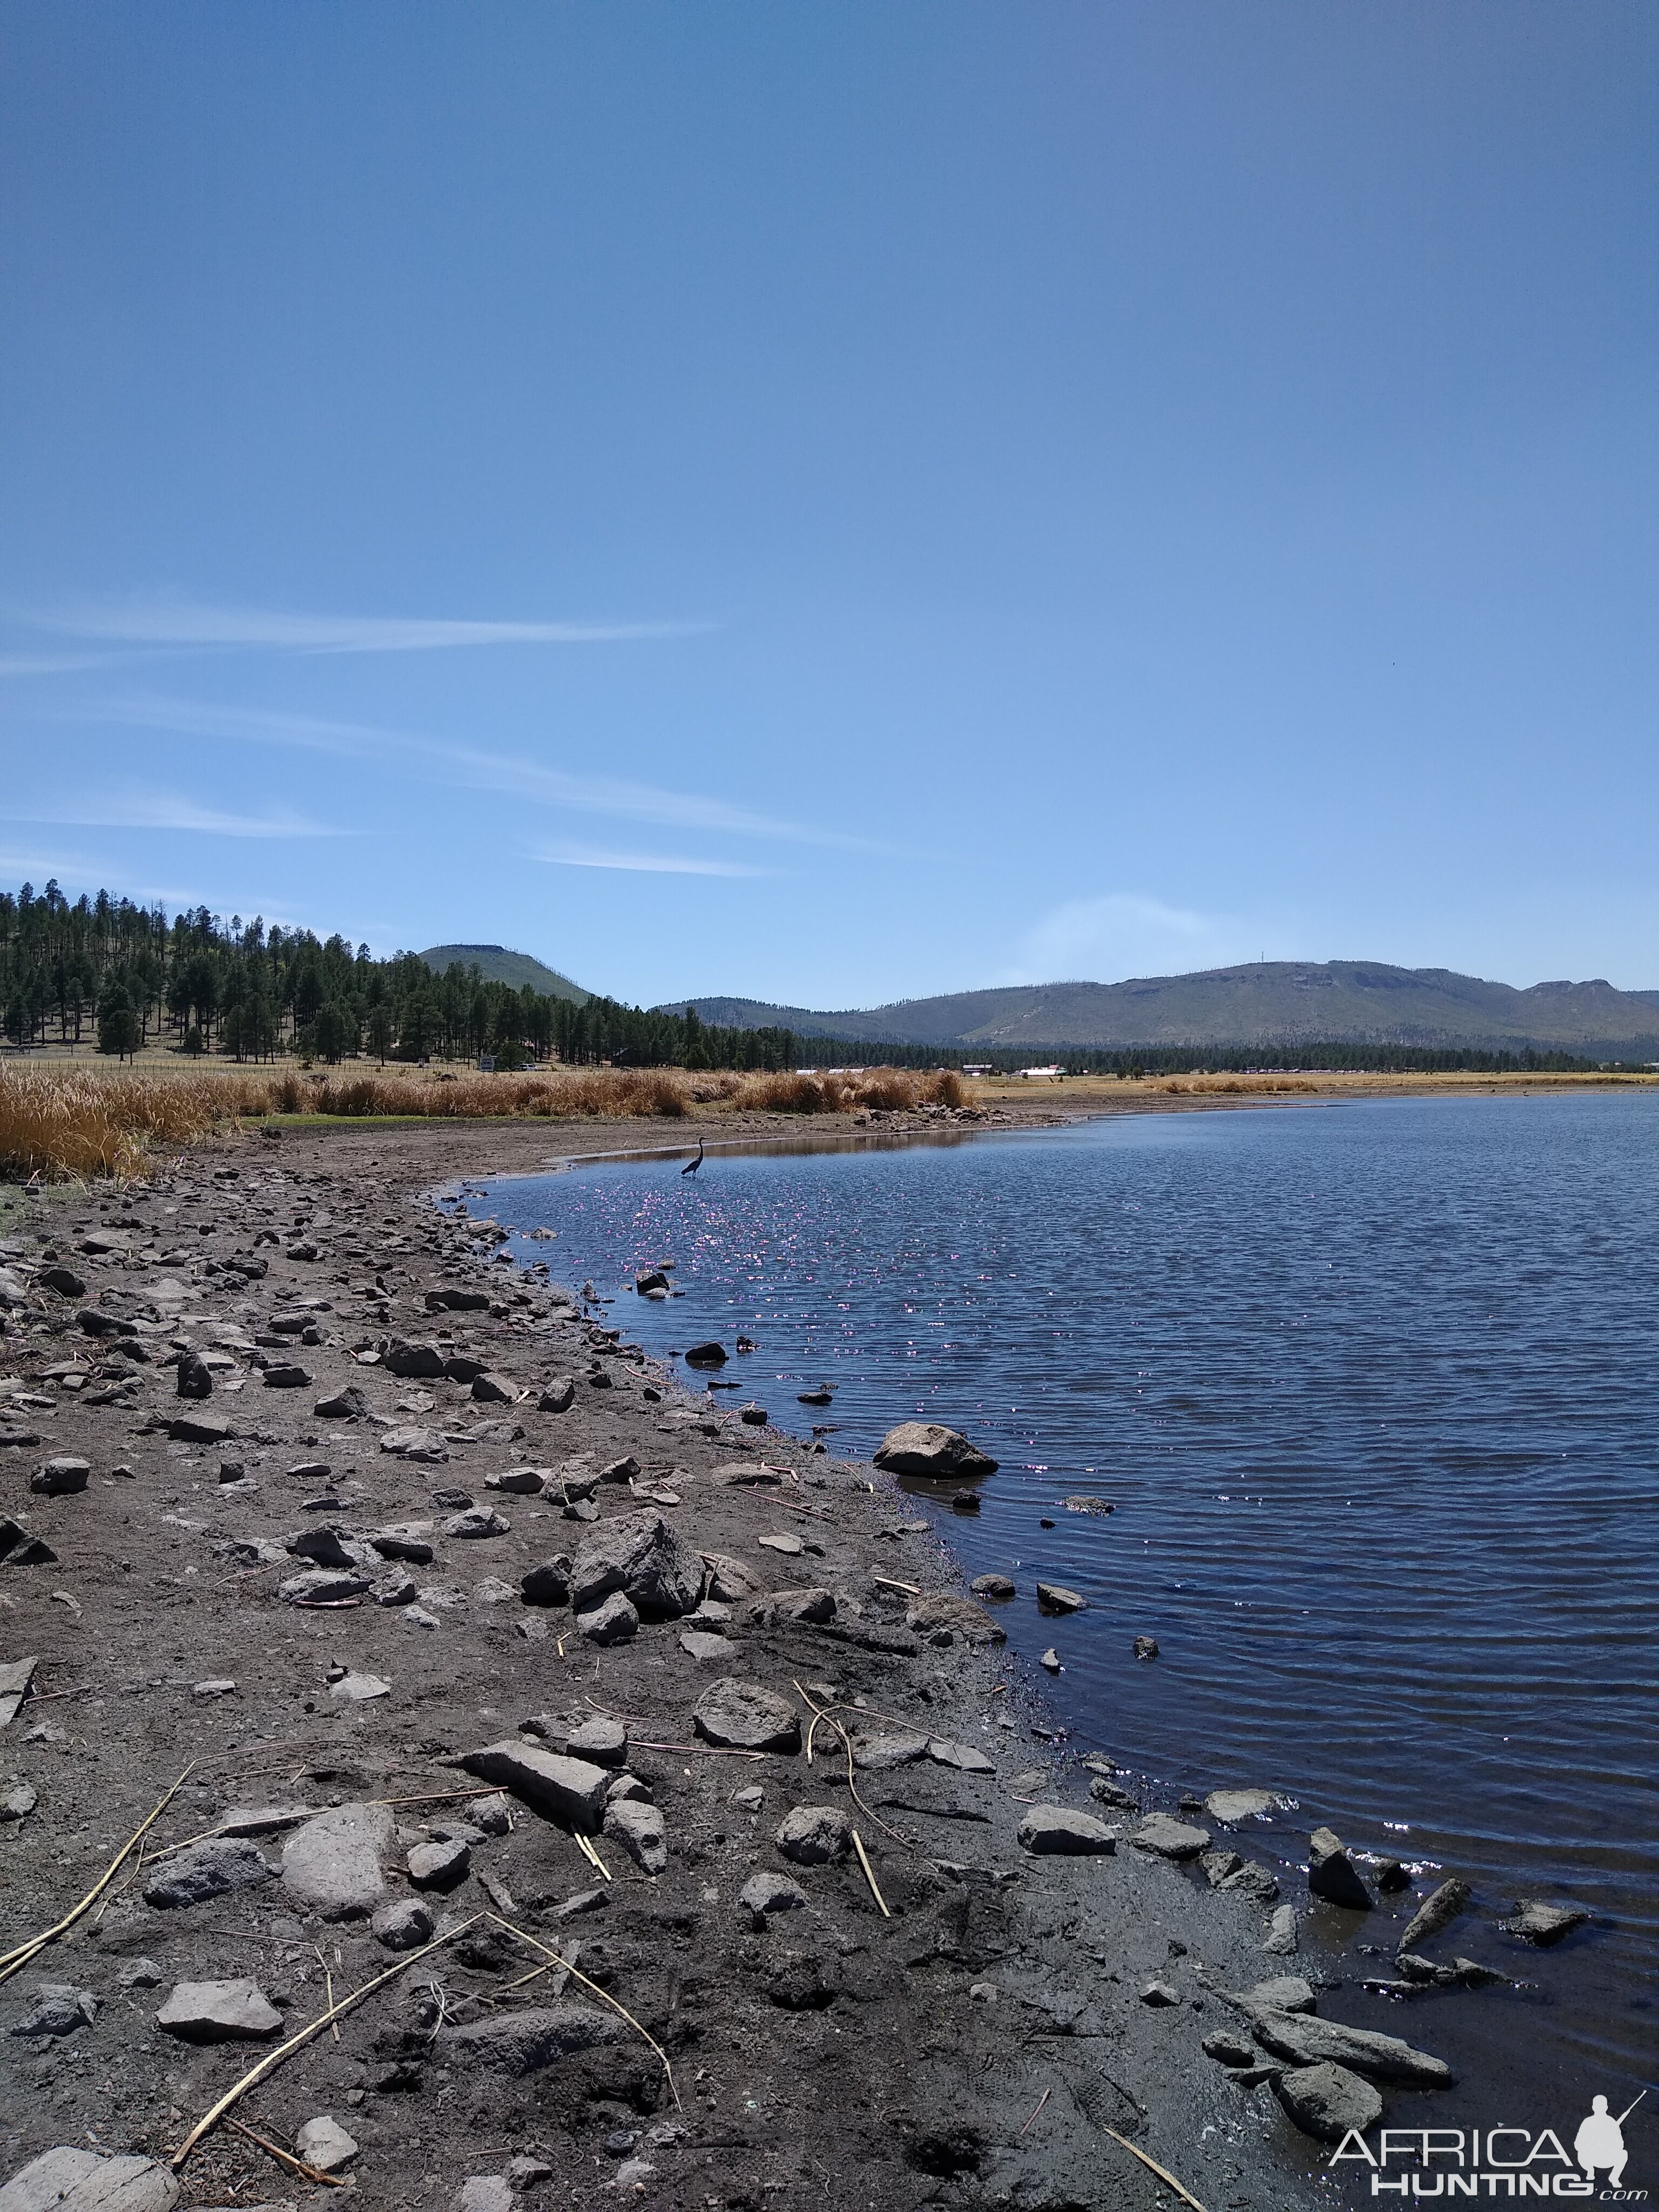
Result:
{"points": [[1507, 2162], [1600, 2141]]}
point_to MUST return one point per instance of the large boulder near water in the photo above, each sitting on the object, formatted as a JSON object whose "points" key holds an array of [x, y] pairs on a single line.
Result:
{"points": [[927, 1449], [1166, 1837], [1327, 2102], [1058, 1830], [1332, 1874], [938, 1612], [1306, 2040]]}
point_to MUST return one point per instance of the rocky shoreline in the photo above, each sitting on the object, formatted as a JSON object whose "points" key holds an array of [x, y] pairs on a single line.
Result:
{"points": [[708, 1851]]}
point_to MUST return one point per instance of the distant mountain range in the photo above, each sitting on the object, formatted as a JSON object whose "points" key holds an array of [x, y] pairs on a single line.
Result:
{"points": [[497, 965], [1272, 1002]]}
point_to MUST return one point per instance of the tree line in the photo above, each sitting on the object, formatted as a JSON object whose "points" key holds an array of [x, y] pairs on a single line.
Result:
{"points": [[120, 975], [113, 972]]}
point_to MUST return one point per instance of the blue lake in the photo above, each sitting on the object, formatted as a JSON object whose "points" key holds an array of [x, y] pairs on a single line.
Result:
{"points": [[1373, 1389]]}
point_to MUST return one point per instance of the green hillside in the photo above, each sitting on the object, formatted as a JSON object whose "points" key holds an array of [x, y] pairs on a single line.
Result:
{"points": [[497, 965], [1275, 1002]]}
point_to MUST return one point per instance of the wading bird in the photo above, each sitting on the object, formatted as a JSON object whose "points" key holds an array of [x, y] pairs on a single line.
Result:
{"points": [[691, 1166]]}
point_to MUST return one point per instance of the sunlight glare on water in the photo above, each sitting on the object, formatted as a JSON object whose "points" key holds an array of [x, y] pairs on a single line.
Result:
{"points": [[1373, 1391]]}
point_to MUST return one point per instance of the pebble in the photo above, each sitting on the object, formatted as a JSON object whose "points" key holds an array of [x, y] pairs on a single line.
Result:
{"points": [[763, 1894], [1280, 1938], [441, 1866], [214, 1867], [332, 1864], [324, 2143], [359, 1689], [1229, 2050], [476, 1521], [602, 1740], [640, 1829], [59, 2009], [815, 1835], [403, 1926]]}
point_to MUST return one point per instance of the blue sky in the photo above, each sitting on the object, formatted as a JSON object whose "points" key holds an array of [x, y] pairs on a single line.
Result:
{"points": [[839, 503]]}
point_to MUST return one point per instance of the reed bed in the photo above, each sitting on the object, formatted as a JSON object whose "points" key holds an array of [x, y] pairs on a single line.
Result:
{"points": [[57, 1121], [60, 1120], [1210, 1086]]}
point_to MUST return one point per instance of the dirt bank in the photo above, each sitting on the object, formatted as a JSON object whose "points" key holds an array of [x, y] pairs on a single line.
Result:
{"points": [[988, 2038]]}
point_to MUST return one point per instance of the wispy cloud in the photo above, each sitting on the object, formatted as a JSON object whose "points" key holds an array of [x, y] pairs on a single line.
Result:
{"points": [[648, 864], [1121, 934], [509, 775], [186, 622], [160, 812], [14, 665]]}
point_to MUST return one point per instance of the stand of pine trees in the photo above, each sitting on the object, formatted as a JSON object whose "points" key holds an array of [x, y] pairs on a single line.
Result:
{"points": [[109, 975]]}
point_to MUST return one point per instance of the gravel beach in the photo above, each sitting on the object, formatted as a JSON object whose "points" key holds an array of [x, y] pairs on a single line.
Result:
{"points": [[709, 1851]]}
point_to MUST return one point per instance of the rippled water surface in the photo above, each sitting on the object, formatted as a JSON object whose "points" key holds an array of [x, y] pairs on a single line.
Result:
{"points": [[1374, 1391]]}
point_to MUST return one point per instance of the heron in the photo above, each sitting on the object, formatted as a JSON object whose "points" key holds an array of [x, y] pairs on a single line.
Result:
{"points": [[691, 1166]]}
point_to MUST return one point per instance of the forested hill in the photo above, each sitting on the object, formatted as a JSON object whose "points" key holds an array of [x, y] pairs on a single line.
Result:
{"points": [[1279, 1003], [111, 972], [496, 964]]}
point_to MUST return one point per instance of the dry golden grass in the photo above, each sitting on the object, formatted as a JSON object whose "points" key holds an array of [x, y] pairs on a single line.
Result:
{"points": [[58, 1118], [57, 1121], [888, 1089]]}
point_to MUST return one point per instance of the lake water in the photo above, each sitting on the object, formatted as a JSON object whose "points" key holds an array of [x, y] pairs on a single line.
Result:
{"points": [[1373, 1389]]}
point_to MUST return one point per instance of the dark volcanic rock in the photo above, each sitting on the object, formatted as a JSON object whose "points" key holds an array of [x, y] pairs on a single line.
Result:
{"points": [[640, 1555], [1436, 1913], [745, 1716], [927, 1449], [1326, 2101], [520, 2043], [1544, 1924], [408, 1361], [209, 1869], [1331, 1872]]}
